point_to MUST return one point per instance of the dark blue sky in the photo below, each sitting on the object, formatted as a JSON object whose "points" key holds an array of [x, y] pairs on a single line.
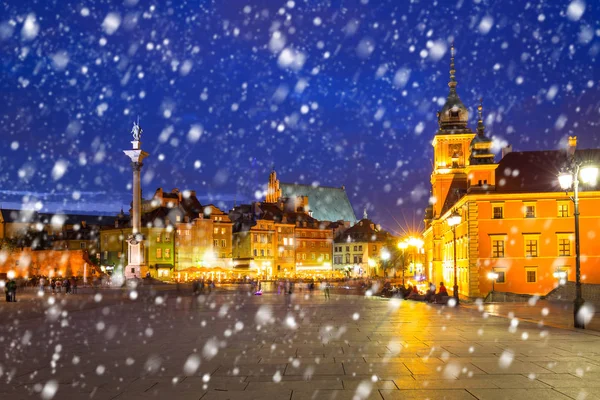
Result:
{"points": [[331, 92]]}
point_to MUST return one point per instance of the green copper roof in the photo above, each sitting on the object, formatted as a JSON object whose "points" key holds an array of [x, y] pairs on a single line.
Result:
{"points": [[326, 203]]}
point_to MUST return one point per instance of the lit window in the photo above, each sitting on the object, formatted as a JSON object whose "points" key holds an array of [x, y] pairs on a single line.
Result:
{"points": [[563, 210], [158, 238], [285, 242], [531, 247], [222, 231], [158, 253], [497, 248], [216, 230], [167, 253], [564, 247]]}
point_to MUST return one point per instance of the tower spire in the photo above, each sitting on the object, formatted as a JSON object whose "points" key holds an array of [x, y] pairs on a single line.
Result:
{"points": [[480, 125], [452, 84]]}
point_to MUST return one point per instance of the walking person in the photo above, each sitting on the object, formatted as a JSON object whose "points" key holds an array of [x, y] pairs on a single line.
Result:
{"points": [[67, 284], [326, 289], [74, 286], [12, 290], [53, 286], [58, 285]]}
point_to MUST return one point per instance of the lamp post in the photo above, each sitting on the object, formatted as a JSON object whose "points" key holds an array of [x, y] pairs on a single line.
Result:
{"points": [[402, 246], [569, 179], [493, 276], [453, 220]]}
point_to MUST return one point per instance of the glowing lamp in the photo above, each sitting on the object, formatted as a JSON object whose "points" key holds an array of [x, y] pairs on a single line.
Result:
{"points": [[565, 179], [589, 174], [402, 245], [492, 275], [454, 219]]}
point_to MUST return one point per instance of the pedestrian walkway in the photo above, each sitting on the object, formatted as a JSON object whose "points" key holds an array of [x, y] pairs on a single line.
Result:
{"points": [[158, 345], [549, 313]]}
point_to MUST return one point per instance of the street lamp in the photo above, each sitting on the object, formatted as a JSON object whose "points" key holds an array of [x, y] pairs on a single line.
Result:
{"points": [[569, 179], [453, 220], [493, 276], [402, 246]]}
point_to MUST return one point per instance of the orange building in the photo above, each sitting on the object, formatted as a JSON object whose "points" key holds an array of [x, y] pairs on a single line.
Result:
{"points": [[515, 219]]}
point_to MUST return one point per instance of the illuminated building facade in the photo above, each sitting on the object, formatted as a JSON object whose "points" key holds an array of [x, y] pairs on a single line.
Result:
{"points": [[515, 219]]}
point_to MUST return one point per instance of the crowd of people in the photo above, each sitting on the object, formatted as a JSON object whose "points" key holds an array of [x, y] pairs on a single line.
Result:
{"points": [[199, 286], [431, 295]]}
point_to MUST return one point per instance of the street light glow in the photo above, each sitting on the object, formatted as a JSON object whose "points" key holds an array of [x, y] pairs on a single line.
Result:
{"points": [[589, 174], [565, 179], [454, 219], [402, 245], [385, 255], [492, 275]]}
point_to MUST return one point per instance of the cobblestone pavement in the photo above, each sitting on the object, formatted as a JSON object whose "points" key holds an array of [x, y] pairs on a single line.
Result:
{"points": [[232, 345], [552, 313]]}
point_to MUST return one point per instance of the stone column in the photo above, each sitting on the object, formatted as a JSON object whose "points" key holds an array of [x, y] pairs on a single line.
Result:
{"points": [[136, 267]]}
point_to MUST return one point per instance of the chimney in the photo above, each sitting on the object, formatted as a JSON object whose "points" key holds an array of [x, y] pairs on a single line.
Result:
{"points": [[572, 145], [506, 150]]}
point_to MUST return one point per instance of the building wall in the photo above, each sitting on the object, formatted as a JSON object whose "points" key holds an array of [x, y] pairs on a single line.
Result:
{"points": [[50, 263], [479, 233], [285, 264], [313, 247]]}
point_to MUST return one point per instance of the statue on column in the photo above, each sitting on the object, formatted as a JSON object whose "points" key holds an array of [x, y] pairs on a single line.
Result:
{"points": [[136, 131]]}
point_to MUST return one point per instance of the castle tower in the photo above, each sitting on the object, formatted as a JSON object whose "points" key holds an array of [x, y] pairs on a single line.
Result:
{"points": [[451, 149]]}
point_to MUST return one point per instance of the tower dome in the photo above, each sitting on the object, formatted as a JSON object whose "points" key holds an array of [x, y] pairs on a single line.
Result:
{"points": [[454, 116], [481, 145]]}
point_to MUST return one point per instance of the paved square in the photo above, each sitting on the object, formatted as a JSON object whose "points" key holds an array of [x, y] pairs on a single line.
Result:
{"points": [[232, 345]]}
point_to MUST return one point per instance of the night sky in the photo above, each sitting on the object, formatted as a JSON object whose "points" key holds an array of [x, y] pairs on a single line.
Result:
{"points": [[330, 92]]}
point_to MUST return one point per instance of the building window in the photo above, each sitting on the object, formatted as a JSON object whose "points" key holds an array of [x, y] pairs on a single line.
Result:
{"points": [[312, 256], [223, 243], [531, 276], [347, 248], [531, 247], [497, 212], [222, 255], [291, 241], [167, 237], [501, 277], [268, 253], [497, 248], [82, 245], [167, 253], [255, 237], [564, 247], [158, 238], [326, 257], [158, 253], [216, 230], [355, 248], [563, 210], [262, 252], [222, 231], [355, 259], [347, 258], [216, 242], [255, 252], [374, 248], [304, 256], [529, 210], [178, 218], [360, 248]]}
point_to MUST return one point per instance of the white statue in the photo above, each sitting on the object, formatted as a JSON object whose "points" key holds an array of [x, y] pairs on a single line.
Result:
{"points": [[136, 131]]}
